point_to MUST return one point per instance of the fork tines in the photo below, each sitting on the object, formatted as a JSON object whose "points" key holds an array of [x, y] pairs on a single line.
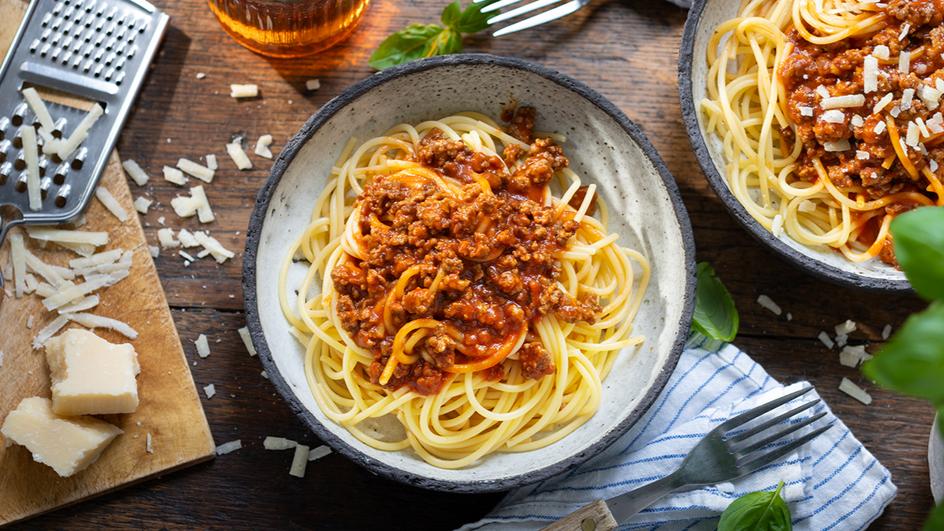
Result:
{"points": [[535, 5]]}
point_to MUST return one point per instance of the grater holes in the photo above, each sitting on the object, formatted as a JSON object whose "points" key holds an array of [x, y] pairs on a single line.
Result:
{"points": [[59, 176], [108, 74], [4, 147], [45, 49], [63, 196], [57, 9], [4, 123], [79, 159], [120, 77], [44, 185], [6, 170], [19, 164], [59, 127], [110, 58], [110, 45], [19, 113], [20, 183], [111, 14], [46, 19]]}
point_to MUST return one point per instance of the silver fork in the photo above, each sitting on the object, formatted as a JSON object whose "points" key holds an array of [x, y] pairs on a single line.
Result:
{"points": [[536, 20], [726, 453]]}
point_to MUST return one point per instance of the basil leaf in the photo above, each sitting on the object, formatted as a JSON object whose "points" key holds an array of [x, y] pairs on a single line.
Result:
{"points": [[451, 14], [912, 362], [918, 236], [715, 314], [935, 522], [449, 41], [472, 19], [757, 511], [413, 42]]}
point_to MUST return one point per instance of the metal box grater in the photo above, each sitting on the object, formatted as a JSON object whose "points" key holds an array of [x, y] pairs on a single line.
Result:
{"points": [[97, 50]]}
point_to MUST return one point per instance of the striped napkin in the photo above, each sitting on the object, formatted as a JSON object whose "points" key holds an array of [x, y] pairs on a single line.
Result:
{"points": [[831, 483]]}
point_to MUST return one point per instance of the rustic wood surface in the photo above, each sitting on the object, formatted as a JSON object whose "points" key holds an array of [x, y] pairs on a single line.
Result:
{"points": [[627, 50]]}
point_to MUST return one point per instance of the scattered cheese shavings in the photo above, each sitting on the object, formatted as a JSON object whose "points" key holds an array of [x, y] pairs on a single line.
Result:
{"points": [[142, 204], [68, 236], [229, 447], [853, 355], [211, 162], [881, 51], [846, 327], [18, 252], [804, 110], [135, 172], [31, 156], [66, 147], [243, 91], [110, 203], [203, 346], [312, 84], [240, 159], [841, 339], [822, 91], [769, 304], [870, 74], [853, 390], [49, 330], [201, 75], [204, 213], [104, 257], [905, 28], [882, 103], [839, 102], [262, 146], [825, 339], [154, 251], [71, 293], [166, 238], [264, 375], [186, 256], [209, 390], [184, 206], [318, 453], [912, 135], [887, 331], [299, 461], [199, 171], [833, 116], [220, 253], [39, 109], [857, 120], [187, 239], [174, 175], [247, 340], [149, 443], [836, 146], [904, 61], [90, 320], [278, 443], [86, 303]]}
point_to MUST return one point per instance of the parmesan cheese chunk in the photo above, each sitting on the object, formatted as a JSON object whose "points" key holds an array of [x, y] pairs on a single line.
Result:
{"points": [[833, 116], [229, 447], [39, 109], [881, 51], [68, 236], [135, 172], [853, 390], [203, 346], [199, 171], [31, 156], [90, 320], [173, 175], [870, 74], [220, 253], [318, 453], [839, 102], [299, 461], [278, 443], [882, 103], [67, 445], [66, 147], [904, 62], [91, 376], [166, 238], [837, 145], [235, 152], [110, 203], [204, 213], [247, 340], [312, 84], [142, 204], [209, 391], [262, 146], [769, 304], [18, 252], [187, 239], [243, 91]]}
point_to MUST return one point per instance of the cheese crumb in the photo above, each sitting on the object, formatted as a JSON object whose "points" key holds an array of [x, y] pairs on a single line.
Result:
{"points": [[312, 84], [825, 339], [235, 152], [110, 203], [203, 346], [768, 303], [173, 175], [135, 173], [209, 390], [243, 91], [262, 146], [229, 447], [166, 238], [887, 332], [853, 355], [247, 340], [805, 110], [318, 453], [853, 390], [278, 443], [199, 171], [846, 327], [142, 204], [149, 443], [299, 461], [211, 162]]}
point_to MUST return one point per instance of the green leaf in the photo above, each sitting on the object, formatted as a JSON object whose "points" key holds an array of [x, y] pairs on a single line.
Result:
{"points": [[472, 19], [416, 41], [451, 14], [918, 236], [935, 522], [757, 511], [912, 362], [715, 314]]}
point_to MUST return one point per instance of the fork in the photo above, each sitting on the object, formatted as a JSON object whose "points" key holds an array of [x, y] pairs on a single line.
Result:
{"points": [[536, 20], [729, 451]]}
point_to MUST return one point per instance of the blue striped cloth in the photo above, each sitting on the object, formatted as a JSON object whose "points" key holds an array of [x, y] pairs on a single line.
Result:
{"points": [[831, 483]]}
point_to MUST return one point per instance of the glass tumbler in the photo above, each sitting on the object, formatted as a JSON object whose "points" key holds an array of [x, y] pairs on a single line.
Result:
{"points": [[288, 28]]}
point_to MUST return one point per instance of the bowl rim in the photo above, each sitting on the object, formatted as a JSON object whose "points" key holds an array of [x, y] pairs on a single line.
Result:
{"points": [[286, 157], [807, 263]]}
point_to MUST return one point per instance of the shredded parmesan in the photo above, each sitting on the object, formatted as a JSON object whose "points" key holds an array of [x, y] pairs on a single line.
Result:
{"points": [[247, 340], [220, 253], [852, 356], [135, 172], [837, 145], [853, 390], [187, 239], [863, 155], [68, 236], [243, 91], [262, 146], [870, 74], [166, 238], [768, 303], [66, 147], [299, 461], [912, 136], [235, 152], [318, 453], [199, 171], [142, 204], [209, 390], [833, 116], [18, 252], [278, 443], [110, 203], [39, 109], [211, 162], [31, 156], [805, 110], [86, 303], [886, 332], [879, 128], [174, 175], [846, 327], [857, 120], [882, 103], [839, 102], [881, 51], [905, 28], [183, 206], [822, 91], [48, 331], [904, 62], [841, 340], [204, 213], [90, 320], [907, 96], [203, 346], [229, 447], [312, 84], [931, 97], [154, 251]]}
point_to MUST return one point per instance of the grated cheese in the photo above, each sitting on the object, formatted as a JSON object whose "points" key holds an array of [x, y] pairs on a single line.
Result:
{"points": [[911, 137], [805, 110], [881, 51], [184, 206], [229, 447], [110, 203], [211, 162], [187, 239], [174, 175], [852, 356], [825, 339], [886, 332], [841, 340], [318, 453], [247, 340], [209, 390], [142, 204], [822, 91], [879, 128], [220, 253], [135, 172], [262, 146], [839, 102], [870, 74], [90, 320], [235, 152], [853, 390], [48, 331], [278, 443], [86, 303], [768, 303], [44, 270], [312, 84], [846, 327], [71, 293], [857, 120], [66, 147], [931, 97], [186, 256], [149, 443], [863, 155], [299, 461], [31, 155], [882, 103], [905, 28], [18, 252], [166, 238], [204, 213], [203, 346], [243, 91], [904, 62], [154, 251], [68, 236], [833, 116], [907, 96], [837, 145], [199, 171], [39, 109]]}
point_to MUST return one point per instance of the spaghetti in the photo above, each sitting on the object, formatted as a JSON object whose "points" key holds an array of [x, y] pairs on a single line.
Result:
{"points": [[449, 288], [827, 114]]}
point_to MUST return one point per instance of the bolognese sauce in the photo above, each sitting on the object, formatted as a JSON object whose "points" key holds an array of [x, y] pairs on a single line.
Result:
{"points": [[476, 262], [867, 110]]}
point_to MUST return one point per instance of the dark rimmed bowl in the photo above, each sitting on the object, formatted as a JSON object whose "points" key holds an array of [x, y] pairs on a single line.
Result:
{"points": [[703, 18], [604, 147]]}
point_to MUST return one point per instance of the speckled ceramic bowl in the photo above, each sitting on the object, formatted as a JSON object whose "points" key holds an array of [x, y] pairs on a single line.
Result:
{"points": [[603, 146], [703, 18]]}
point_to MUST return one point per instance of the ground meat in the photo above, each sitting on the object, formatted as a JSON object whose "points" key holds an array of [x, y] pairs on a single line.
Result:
{"points": [[482, 262], [520, 122], [917, 12]]}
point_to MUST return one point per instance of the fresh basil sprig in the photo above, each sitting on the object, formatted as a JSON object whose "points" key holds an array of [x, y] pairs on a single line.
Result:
{"points": [[715, 314], [919, 248], [417, 41], [757, 511]]}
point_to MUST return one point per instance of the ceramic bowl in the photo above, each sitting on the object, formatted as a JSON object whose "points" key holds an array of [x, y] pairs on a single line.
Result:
{"points": [[603, 146], [703, 18]]}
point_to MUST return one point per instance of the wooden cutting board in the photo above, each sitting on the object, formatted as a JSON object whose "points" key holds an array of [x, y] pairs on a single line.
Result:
{"points": [[169, 407]]}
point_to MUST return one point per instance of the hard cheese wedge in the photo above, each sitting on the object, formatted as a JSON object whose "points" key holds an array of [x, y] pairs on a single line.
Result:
{"points": [[91, 376], [68, 445]]}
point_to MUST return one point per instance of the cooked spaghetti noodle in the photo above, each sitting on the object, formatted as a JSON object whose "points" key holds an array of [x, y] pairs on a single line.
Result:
{"points": [[448, 287], [827, 113]]}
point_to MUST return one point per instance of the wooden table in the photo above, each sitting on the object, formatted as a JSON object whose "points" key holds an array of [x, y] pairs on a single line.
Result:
{"points": [[626, 50]]}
